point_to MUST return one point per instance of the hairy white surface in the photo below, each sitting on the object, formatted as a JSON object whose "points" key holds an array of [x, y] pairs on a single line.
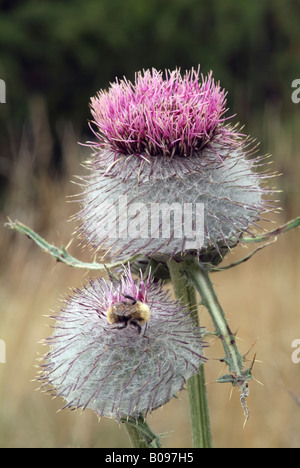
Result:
{"points": [[121, 204], [119, 372]]}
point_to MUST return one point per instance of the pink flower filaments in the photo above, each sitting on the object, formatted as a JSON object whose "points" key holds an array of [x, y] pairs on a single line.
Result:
{"points": [[157, 116]]}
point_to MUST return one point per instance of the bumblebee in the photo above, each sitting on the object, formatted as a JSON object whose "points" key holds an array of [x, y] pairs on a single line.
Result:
{"points": [[125, 313]]}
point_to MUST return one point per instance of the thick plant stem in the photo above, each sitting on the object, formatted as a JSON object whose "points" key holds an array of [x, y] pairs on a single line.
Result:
{"points": [[199, 409], [135, 436], [140, 434]]}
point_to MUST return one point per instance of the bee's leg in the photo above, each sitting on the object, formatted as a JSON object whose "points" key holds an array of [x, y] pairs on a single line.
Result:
{"points": [[138, 326], [129, 297], [144, 334], [120, 325]]}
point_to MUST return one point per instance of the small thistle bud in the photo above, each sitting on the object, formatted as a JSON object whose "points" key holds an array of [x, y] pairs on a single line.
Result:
{"points": [[121, 348], [168, 175]]}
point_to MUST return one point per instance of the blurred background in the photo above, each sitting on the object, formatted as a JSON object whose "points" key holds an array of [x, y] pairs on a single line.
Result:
{"points": [[56, 55]]}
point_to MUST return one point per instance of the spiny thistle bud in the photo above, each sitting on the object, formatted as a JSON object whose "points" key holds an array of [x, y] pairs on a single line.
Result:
{"points": [[121, 348], [168, 175]]}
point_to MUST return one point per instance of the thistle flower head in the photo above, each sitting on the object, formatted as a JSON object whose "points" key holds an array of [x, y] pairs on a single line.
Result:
{"points": [[159, 116], [116, 369], [165, 153], [128, 288]]}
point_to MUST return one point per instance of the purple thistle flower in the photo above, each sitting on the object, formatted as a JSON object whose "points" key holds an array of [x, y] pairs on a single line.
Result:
{"points": [[165, 157], [157, 116], [118, 369]]}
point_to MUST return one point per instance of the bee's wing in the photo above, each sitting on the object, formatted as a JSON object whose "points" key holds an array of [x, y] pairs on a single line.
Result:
{"points": [[123, 310]]}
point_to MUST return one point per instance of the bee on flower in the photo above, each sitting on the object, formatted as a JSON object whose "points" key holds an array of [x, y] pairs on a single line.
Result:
{"points": [[101, 359]]}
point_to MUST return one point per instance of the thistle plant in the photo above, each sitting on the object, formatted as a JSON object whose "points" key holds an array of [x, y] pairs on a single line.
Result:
{"points": [[172, 187]]}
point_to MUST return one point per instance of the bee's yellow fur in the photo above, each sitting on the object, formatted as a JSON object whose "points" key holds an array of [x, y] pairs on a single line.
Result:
{"points": [[137, 313]]}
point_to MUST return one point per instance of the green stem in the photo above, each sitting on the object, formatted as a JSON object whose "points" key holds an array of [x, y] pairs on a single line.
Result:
{"points": [[200, 278], [294, 223], [140, 434], [135, 436], [199, 409], [242, 260], [198, 275], [61, 254]]}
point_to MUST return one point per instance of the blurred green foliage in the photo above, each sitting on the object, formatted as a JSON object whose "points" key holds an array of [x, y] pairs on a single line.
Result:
{"points": [[67, 50]]}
